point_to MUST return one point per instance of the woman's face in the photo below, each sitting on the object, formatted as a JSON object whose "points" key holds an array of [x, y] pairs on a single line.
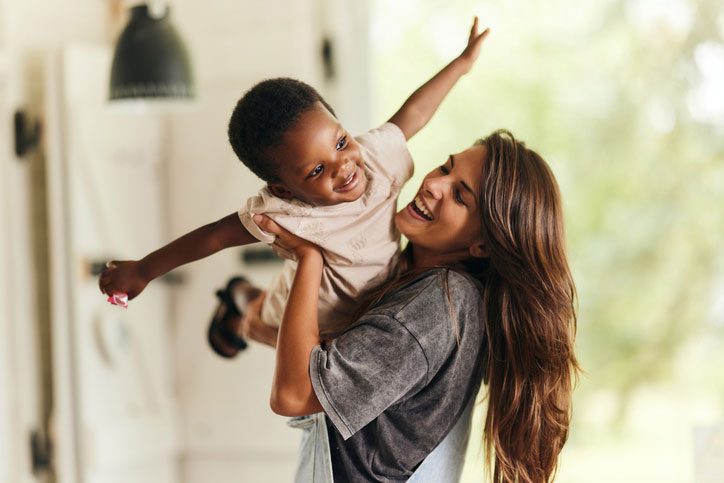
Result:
{"points": [[443, 220]]}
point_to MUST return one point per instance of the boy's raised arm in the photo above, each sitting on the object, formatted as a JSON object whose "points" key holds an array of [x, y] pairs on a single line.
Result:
{"points": [[132, 276], [422, 104]]}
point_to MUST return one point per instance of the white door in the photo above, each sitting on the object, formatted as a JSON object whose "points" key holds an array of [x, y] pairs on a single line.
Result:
{"points": [[116, 420], [20, 387]]}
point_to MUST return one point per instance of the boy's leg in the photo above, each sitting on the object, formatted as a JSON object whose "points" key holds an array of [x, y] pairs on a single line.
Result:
{"points": [[225, 331]]}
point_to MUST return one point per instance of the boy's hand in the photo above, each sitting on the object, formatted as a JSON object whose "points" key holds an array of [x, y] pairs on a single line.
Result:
{"points": [[475, 42], [298, 246], [122, 277], [422, 104]]}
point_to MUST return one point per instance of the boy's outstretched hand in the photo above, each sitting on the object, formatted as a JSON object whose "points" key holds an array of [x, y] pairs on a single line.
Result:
{"points": [[475, 42], [122, 277], [422, 104]]}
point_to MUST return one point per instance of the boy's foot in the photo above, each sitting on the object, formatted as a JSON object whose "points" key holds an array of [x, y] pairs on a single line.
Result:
{"points": [[224, 334]]}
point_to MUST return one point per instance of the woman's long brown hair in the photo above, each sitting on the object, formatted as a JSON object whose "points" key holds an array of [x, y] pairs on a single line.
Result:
{"points": [[529, 309]]}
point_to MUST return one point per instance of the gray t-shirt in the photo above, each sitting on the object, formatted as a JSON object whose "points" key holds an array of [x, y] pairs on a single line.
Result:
{"points": [[394, 383]]}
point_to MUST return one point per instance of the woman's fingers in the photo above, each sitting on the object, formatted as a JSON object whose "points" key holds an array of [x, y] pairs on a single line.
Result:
{"points": [[285, 239], [267, 224]]}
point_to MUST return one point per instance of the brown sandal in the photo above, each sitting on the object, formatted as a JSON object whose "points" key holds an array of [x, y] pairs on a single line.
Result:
{"points": [[220, 330]]}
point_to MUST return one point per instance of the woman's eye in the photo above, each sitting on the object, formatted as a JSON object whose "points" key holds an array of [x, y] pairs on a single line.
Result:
{"points": [[318, 169], [459, 198], [341, 143], [444, 170]]}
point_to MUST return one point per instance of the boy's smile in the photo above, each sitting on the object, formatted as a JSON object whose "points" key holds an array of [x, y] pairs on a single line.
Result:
{"points": [[319, 162]]}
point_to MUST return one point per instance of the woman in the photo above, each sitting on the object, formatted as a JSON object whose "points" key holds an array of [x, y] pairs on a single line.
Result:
{"points": [[483, 291]]}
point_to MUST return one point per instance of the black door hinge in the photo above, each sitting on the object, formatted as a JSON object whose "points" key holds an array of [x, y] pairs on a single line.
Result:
{"points": [[41, 451]]}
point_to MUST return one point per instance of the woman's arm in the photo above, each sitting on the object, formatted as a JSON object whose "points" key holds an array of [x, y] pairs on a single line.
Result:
{"points": [[132, 276], [422, 104], [292, 391]]}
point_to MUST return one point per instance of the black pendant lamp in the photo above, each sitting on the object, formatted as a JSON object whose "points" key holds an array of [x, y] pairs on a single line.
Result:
{"points": [[150, 61]]}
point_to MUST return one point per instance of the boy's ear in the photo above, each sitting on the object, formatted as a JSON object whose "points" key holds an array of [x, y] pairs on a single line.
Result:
{"points": [[280, 191], [479, 250]]}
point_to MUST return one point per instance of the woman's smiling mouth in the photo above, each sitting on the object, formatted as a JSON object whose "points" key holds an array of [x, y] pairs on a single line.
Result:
{"points": [[418, 209]]}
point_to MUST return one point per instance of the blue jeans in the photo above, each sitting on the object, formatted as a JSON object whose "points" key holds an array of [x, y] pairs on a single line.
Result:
{"points": [[314, 464], [443, 465]]}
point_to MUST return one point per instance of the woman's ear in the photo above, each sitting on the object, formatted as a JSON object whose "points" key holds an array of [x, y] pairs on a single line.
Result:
{"points": [[478, 250], [280, 191]]}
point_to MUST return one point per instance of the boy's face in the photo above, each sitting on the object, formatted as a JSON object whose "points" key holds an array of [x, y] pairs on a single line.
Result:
{"points": [[319, 162]]}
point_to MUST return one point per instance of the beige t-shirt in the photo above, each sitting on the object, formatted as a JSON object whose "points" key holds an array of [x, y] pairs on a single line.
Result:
{"points": [[359, 240]]}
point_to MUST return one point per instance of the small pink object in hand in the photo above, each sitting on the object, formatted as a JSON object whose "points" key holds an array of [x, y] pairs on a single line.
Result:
{"points": [[120, 299]]}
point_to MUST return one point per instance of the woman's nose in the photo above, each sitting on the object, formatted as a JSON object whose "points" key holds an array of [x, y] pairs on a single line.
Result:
{"points": [[434, 185]]}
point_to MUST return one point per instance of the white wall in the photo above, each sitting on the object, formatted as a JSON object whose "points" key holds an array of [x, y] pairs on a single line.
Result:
{"points": [[39, 24]]}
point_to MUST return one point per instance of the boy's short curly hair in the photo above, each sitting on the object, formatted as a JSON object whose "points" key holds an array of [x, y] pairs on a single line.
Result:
{"points": [[263, 115]]}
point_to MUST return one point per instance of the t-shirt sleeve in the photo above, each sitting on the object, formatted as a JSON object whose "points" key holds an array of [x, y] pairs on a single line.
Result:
{"points": [[388, 150], [365, 370], [264, 203], [254, 206]]}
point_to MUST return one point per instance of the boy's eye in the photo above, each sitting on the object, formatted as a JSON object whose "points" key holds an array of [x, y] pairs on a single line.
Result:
{"points": [[342, 143], [444, 170], [318, 169]]}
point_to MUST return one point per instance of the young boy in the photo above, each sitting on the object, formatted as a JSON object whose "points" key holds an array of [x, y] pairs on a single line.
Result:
{"points": [[323, 185]]}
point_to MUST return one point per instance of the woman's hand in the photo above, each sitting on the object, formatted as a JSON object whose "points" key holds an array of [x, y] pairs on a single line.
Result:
{"points": [[292, 243], [472, 51], [122, 277]]}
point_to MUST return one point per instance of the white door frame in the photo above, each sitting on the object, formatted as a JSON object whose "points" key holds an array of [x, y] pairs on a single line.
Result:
{"points": [[65, 391]]}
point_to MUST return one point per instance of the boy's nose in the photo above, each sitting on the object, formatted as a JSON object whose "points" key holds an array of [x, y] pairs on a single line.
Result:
{"points": [[341, 168]]}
